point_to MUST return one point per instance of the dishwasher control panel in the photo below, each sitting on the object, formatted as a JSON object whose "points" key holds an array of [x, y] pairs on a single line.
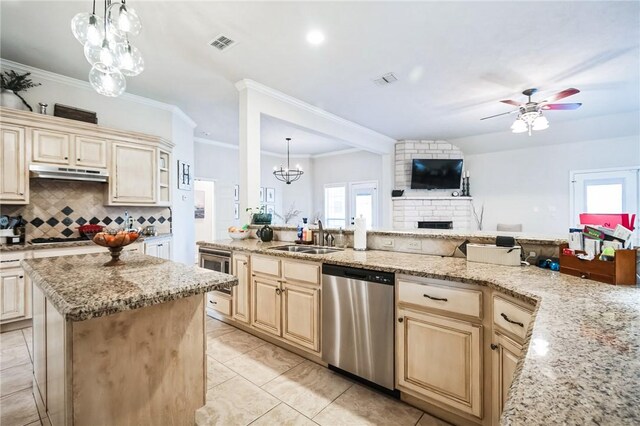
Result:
{"points": [[359, 274]]}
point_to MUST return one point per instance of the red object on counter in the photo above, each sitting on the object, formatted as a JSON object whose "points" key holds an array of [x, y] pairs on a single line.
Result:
{"points": [[608, 220]]}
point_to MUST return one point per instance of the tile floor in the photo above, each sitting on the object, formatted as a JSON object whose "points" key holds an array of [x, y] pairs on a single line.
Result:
{"points": [[249, 381]]}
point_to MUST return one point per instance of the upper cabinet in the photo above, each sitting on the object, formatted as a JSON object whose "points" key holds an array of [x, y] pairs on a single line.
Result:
{"points": [[139, 165], [14, 178]]}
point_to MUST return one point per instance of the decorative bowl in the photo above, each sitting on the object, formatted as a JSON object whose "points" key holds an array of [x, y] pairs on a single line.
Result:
{"points": [[115, 241], [239, 235], [90, 231]]}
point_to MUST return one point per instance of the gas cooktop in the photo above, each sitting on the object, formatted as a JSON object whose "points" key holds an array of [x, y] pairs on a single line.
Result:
{"points": [[57, 240]]}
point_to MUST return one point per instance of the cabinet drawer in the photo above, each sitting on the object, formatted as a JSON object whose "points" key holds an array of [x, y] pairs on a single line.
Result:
{"points": [[298, 271], [511, 317], [265, 265], [11, 260], [219, 302], [439, 296]]}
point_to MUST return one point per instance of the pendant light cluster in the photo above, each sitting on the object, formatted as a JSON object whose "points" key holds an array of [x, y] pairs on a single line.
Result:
{"points": [[288, 175], [106, 46]]}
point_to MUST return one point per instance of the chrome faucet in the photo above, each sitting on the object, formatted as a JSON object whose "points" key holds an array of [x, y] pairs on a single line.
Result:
{"points": [[320, 233]]}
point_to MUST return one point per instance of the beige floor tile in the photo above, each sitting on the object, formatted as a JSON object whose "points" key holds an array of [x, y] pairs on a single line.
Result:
{"points": [[13, 356], [217, 373], [27, 332], [235, 402], [15, 379], [283, 415], [264, 363], [363, 406], [232, 345], [428, 420], [308, 387], [11, 339], [18, 409], [217, 328]]}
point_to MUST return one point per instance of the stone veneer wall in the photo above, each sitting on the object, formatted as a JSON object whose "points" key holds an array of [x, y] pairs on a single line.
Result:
{"points": [[57, 208], [425, 205]]}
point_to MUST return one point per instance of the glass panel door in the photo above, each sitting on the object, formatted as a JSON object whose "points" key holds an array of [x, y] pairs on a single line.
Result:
{"points": [[364, 201]]}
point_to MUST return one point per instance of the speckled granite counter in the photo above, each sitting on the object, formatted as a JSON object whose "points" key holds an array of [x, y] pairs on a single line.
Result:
{"points": [[81, 288], [582, 365], [88, 243]]}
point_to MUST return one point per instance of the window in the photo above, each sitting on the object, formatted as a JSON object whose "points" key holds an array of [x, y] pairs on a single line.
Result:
{"points": [[335, 211], [364, 201]]}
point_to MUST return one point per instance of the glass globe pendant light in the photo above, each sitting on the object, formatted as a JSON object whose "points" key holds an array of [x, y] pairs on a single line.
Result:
{"points": [[107, 81], [103, 53], [87, 27], [124, 19], [129, 59]]}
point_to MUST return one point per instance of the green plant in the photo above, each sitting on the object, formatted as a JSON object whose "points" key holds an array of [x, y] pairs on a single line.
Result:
{"points": [[11, 80]]}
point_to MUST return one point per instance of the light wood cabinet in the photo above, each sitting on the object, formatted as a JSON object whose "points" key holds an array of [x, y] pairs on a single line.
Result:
{"points": [[13, 295], [241, 293], [90, 152], [14, 176], [504, 359], [39, 347], [266, 314], [133, 178], [51, 147], [219, 302], [440, 358], [301, 315]]}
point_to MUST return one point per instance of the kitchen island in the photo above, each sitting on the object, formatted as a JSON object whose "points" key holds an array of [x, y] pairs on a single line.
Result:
{"points": [[119, 345]]}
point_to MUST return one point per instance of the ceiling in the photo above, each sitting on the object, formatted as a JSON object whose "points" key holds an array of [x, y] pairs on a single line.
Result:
{"points": [[454, 60]]}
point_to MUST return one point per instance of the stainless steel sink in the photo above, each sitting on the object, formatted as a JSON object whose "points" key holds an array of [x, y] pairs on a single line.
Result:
{"points": [[306, 249]]}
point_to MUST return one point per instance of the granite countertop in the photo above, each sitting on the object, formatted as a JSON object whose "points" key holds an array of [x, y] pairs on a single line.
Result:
{"points": [[582, 362], [81, 288], [29, 246]]}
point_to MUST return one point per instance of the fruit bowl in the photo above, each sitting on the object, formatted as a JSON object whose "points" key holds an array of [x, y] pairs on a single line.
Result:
{"points": [[115, 241], [239, 235]]}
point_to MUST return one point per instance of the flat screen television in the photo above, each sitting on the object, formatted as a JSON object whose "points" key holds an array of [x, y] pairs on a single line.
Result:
{"points": [[436, 174]]}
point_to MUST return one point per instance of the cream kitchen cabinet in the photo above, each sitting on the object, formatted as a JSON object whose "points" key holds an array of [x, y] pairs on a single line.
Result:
{"points": [[90, 152], [14, 174], [133, 175], [51, 147], [504, 359], [158, 247], [285, 299], [13, 296], [241, 294]]}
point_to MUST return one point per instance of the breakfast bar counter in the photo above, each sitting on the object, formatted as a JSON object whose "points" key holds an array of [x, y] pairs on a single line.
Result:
{"points": [[119, 345]]}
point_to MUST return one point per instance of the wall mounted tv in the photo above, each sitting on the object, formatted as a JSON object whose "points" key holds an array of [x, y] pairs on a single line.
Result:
{"points": [[436, 174]]}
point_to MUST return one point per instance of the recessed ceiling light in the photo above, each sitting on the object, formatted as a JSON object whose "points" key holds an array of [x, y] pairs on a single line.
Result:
{"points": [[315, 37]]}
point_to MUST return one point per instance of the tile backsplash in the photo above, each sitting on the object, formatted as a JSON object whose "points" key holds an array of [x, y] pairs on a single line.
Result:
{"points": [[57, 208]]}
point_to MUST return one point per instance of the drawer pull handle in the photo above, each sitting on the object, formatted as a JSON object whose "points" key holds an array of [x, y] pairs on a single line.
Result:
{"points": [[400, 319], [21, 276], [212, 302], [278, 291], [441, 299], [506, 318], [494, 346]]}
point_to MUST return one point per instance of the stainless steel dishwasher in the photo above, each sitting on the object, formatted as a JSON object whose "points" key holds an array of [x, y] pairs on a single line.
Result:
{"points": [[358, 323]]}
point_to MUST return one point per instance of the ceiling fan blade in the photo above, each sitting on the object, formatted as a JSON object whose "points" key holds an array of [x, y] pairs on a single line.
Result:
{"points": [[562, 106], [498, 115], [510, 102], [561, 95]]}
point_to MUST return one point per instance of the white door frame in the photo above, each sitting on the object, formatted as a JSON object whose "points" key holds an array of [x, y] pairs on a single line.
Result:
{"points": [[344, 185], [572, 189], [376, 203]]}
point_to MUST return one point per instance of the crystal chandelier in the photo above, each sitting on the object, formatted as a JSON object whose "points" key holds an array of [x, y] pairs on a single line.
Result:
{"points": [[528, 121], [287, 175], [107, 47]]}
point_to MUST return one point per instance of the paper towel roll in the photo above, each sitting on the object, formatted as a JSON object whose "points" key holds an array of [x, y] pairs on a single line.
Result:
{"points": [[360, 234]]}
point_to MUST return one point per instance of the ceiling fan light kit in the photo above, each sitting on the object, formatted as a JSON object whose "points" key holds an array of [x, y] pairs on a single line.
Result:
{"points": [[530, 116], [288, 175], [107, 47]]}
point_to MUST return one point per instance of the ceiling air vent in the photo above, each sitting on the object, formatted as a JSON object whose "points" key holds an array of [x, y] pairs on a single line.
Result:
{"points": [[386, 79], [222, 42]]}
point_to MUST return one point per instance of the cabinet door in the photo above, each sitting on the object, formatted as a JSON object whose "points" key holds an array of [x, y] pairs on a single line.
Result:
{"points": [[50, 147], [301, 315], [133, 179], [164, 250], [505, 355], [240, 293], [440, 360], [151, 249], [14, 186], [90, 152], [12, 295], [266, 305]]}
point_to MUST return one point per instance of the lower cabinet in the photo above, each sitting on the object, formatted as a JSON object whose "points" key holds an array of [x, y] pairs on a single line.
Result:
{"points": [[158, 248], [266, 305], [504, 359], [300, 315], [14, 295], [440, 359], [219, 302], [241, 294]]}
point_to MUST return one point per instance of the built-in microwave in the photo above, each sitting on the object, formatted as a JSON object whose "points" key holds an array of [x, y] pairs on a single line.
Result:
{"points": [[216, 260]]}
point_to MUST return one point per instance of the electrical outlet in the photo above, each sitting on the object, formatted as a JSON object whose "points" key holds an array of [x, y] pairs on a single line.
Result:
{"points": [[533, 254], [415, 245], [388, 243]]}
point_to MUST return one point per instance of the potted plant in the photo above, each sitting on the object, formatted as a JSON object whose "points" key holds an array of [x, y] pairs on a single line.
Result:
{"points": [[12, 84], [259, 217]]}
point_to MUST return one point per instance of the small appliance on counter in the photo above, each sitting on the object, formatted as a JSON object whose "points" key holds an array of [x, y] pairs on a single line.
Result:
{"points": [[12, 230], [494, 254], [265, 233]]}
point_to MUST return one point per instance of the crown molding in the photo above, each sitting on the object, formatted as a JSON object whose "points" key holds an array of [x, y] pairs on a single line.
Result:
{"points": [[246, 83], [341, 152], [236, 148], [81, 84]]}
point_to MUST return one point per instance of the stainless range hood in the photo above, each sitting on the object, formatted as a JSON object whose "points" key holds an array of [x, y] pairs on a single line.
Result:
{"points": [[67, 173]]}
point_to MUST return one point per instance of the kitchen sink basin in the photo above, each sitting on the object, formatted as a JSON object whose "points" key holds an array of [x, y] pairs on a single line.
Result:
{"points": [[306, 249]]}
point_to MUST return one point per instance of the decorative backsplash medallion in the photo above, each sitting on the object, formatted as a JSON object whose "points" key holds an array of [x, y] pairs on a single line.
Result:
{"points": [[57, 208]]}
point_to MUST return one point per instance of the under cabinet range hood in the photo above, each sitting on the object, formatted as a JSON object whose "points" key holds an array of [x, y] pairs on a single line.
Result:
{"points": [[67, 173]]}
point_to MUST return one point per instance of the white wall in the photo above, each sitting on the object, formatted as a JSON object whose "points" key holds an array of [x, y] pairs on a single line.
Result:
{"points": [[531, 185]]}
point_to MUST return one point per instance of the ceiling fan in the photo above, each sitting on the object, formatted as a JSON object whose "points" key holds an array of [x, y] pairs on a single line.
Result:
{"points": [[530, 113]]}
